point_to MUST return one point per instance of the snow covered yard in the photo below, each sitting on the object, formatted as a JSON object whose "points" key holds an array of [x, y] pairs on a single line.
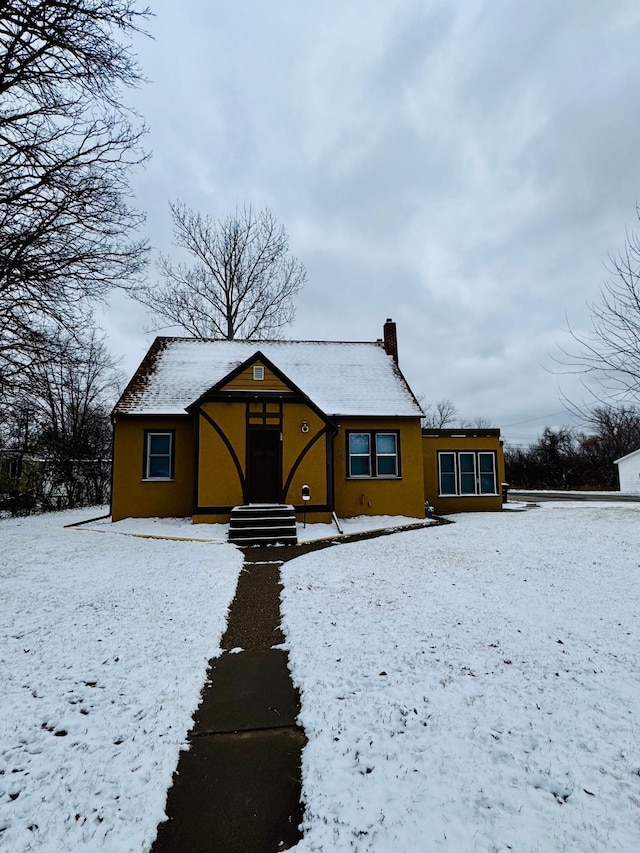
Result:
{"points": [[104, 643], [473, 687]]}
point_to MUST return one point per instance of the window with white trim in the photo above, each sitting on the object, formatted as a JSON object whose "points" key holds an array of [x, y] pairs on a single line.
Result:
{"points": [[373, 453], [465, 472], [158, 455], [258, 372]]}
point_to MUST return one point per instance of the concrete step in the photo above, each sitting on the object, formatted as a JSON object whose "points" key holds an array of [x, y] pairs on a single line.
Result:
{"points": [[251, 510], [262, 533], [263, 521], [267, 539], [263, 524]]}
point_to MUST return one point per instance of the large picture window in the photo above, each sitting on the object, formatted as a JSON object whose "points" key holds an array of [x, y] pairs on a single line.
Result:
{"points": [[158, 455], [373, 453], [465, 472]]}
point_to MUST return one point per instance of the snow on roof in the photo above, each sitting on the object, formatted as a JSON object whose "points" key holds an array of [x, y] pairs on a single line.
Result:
{"points": [[357, 379]]}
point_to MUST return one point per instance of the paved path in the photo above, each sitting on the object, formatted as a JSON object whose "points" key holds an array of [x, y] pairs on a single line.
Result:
{"points": [[237, 789]]}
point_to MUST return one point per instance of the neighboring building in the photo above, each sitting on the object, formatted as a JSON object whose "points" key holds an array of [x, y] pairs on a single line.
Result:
{"points": [[629, 472], [207, 425]]}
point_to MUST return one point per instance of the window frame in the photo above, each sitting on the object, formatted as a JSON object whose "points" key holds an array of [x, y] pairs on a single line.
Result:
{"points": [[147, 477], [453, 471], [494, 472], [366, 456], [395, 455], [373, 455], [464, 473], [458, 473]]}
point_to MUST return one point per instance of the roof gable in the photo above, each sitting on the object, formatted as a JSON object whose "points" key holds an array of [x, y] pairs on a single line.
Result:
{"points": [[627, 456], [243, 378], [274, 382], [340, 378], [274, 378]]}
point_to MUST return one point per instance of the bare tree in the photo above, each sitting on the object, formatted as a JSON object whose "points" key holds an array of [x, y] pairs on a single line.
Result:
{"points": [[243, 280], [67, 146], [439, 415], [57, 435], [613, 432], [610, 351]]}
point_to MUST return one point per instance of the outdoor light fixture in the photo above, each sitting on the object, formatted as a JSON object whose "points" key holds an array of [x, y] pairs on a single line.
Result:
{"points": [[305, 426]]}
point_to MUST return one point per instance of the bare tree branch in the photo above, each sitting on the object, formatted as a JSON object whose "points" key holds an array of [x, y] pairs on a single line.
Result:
{"points": [[67, 147], [609, 352]]}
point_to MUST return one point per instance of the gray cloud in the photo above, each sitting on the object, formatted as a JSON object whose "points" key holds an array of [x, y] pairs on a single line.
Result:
{"points": [[464, 168]]}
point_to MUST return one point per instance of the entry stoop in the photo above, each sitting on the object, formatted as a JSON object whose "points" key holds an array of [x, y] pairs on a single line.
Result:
{"points": [[263, 524]]}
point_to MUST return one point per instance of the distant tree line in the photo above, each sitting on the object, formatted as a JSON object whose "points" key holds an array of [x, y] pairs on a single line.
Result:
{"points": [[55, 430], [573, 459]]}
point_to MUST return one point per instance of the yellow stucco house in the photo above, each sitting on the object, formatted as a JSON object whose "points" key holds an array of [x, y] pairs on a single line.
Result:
{"points": [[210, 427]]}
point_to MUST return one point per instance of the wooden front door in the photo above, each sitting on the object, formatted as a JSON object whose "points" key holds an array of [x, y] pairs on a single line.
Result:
{"points": [[264, 466]]}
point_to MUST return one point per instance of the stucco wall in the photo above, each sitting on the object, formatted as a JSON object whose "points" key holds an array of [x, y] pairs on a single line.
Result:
{"points": [[308, 452], [403, 495], [222, 478], [135, 497], [219, 481]]}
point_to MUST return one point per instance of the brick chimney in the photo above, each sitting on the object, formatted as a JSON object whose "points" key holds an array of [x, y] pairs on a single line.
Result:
{"points": [[390, 339]]}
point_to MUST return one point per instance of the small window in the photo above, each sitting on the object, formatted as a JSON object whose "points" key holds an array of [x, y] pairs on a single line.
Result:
{"points": [[467, 480], [158, 459], [387, 454], [487, 467], [359, 454], [373, 454], [447, 474], [258, 372]]}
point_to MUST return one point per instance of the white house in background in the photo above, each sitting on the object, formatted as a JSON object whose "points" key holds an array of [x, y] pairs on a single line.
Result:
{"points": [[629, 472]]}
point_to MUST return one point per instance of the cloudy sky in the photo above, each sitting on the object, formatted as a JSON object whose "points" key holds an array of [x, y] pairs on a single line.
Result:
{"points": [[464, 167]]}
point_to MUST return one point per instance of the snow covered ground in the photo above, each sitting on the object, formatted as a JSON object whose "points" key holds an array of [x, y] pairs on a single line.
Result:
{"points": [[104, 643], [473, 687], [182, 528], [468, 687]]}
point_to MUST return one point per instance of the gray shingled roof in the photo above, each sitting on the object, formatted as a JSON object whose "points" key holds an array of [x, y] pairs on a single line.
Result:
{"points": [[355, 379]]}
